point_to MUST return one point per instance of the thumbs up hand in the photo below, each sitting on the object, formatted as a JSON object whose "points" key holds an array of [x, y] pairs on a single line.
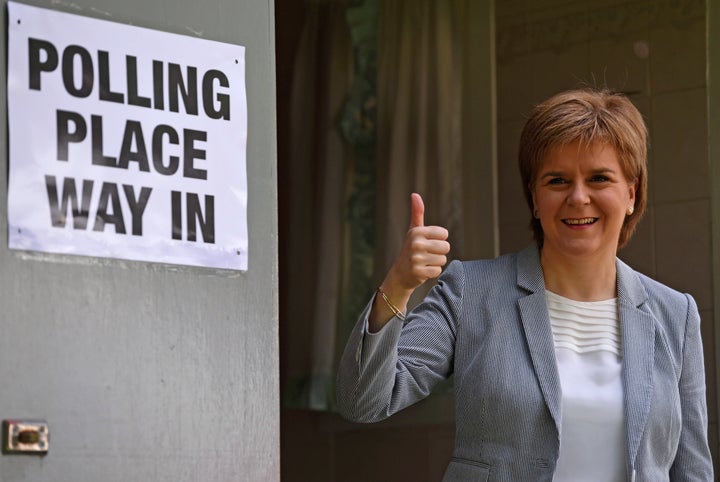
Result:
{"points": [[423, 253]]}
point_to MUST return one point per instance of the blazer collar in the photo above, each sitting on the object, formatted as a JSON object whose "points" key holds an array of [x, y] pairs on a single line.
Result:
{"points": [[530, 276], [538, 332], [529, 271], [637, 327]]}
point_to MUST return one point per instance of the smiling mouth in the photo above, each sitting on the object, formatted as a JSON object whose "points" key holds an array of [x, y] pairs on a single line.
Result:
{"points": [[580, 221]]}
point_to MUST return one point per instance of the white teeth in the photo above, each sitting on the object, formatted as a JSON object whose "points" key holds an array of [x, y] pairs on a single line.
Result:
{"points": [[580, 221]]}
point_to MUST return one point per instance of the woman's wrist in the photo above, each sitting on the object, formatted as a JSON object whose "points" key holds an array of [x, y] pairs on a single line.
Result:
{"points": [[390, 301], [398, 312]]}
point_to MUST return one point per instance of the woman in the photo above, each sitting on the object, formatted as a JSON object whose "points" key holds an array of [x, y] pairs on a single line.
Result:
{"points": [[568, 365]]}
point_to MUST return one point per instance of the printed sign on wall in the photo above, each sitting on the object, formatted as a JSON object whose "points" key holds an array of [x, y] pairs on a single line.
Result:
{"points": [[125, 142]]}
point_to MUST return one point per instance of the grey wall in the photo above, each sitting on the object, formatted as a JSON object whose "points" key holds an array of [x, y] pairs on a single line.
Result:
{"points": [[151, 372]]}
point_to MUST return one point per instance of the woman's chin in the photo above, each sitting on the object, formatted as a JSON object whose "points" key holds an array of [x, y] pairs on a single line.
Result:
{"points": [[581, 248]]}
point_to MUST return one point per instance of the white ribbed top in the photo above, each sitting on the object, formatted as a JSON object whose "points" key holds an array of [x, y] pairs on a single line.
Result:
{"points": [[588, 353], [584, 326]]}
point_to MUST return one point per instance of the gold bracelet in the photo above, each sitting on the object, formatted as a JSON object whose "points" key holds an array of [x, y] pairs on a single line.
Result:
{"points": [[392, 307]]}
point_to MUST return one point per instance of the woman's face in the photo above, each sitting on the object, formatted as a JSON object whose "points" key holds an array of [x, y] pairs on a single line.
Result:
{"points": [[581, 197]]}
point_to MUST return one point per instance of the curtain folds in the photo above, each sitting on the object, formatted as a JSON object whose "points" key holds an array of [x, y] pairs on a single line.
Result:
{"points": [[419, 120], [319, 175], [346, 186]]}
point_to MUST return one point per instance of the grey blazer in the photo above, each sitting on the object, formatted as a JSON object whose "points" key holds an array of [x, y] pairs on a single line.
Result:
{"points": [[487, 323]]}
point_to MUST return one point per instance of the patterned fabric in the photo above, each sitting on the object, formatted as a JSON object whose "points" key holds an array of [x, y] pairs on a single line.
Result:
{"points": [[587, 349], [487, 322], [584, 327]]}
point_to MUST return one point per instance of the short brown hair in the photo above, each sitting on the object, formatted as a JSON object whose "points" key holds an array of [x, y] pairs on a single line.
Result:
{"points": [[587, 116]]}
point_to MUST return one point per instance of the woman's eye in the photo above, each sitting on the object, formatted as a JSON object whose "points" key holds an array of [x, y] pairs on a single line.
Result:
{"points": [[556, 180], [599, 178]]}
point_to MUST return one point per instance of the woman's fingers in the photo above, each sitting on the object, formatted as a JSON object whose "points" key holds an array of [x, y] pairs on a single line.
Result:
{"points": [[422, 257], [424, 250], [426, 247], [431, 239]]}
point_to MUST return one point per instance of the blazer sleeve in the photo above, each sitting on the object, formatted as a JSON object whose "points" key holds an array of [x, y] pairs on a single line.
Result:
{"points": [[692, 461], [384, 372]]}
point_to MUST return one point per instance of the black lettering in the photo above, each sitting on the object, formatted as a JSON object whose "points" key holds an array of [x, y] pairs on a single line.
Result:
{"points": [[137, 206], [157, 150], [132, 84], [195, 216], [176, 203], [191, 153], [64, 135], [176, 86], [98, 157], [109, 194], [104, 74], [36, 65], [158, 85], [68, 71], [223, 110], [133, 132], [59, 204]]}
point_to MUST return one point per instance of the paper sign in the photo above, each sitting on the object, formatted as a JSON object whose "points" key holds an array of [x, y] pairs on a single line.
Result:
{"points": [[125, 142]]}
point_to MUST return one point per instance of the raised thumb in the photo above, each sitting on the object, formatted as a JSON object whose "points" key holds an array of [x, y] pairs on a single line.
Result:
{"points": [[417, 211]]}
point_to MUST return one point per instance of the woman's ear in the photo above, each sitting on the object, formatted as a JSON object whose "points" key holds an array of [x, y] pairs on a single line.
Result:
{"points": [[632, 187]]}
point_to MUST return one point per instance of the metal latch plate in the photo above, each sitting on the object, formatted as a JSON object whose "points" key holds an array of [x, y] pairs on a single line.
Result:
{"points": [[25, 437]]}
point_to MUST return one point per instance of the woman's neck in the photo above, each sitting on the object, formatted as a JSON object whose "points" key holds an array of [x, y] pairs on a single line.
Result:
{"points": [[580, 279]]}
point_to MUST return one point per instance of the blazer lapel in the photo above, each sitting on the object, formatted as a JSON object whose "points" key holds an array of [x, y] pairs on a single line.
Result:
{"points": [[637, 328], [638, 344], [536, 324]]}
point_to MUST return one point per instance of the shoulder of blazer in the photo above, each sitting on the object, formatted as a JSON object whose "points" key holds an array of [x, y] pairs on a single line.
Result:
{"points": [[491, 271], [504, 279], [670, 309], [514, 269], [642, 289]]}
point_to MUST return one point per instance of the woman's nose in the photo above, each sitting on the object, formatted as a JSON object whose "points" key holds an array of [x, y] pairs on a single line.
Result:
{"points": [[578, 195]]}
